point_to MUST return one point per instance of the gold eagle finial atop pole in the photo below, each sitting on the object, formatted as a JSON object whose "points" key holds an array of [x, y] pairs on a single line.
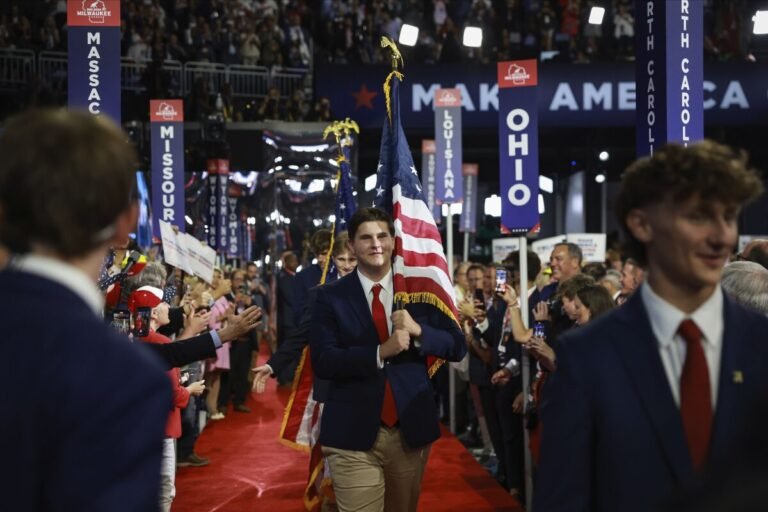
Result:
{"points": [[396, 58], [396, 55], [334, 128]]}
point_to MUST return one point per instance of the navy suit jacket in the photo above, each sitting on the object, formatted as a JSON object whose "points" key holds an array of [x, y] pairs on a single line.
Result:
{"points": [[343, 348], [293, 346], [304, 281], [84, 409], [612, 435]]}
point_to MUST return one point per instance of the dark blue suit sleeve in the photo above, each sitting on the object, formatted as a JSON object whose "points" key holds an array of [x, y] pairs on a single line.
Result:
{"points": [[331, 358], [183, 352], [440, 336], [566, 474], [292, 347]]}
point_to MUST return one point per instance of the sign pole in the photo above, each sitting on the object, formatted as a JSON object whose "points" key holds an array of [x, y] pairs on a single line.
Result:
{"points": [[526, 370], [451, 370]]}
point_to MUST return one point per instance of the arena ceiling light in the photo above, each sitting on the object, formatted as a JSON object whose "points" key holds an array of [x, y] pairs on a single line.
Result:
{"points": [[596, 15], [761, 23], [604, 156], [409, 34], [600, 178], [316, 186], [473, 37], [492, 206], [546, 184]]}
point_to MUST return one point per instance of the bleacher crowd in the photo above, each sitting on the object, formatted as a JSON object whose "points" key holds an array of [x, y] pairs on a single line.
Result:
{"points": [[298, 35]]}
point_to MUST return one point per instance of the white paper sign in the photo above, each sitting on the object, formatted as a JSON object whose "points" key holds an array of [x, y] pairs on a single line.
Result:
{"points": [[592, 245], [543, 248], [745, 239], [174, 249], [202, 258], [501, 247], [182, 250]]}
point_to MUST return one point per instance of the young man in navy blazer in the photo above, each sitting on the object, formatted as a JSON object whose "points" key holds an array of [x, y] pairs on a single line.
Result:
{"points": [[84, 421], [645, 399], [380, 417]]}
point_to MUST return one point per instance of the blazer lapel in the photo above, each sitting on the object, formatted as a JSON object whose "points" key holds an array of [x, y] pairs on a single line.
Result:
{"points": [[358, 302], [637, 349], [730, 383]]}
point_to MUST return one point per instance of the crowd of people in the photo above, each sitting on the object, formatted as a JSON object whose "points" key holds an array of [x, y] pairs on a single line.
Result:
{"points": [[290, 34], [295, 34], [650, 367]]}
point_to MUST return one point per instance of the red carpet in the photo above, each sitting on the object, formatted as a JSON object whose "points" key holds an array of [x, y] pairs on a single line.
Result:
{"points": [[251, 471]]}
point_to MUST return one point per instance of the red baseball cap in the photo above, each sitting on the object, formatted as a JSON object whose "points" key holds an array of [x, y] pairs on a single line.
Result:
{"points": [[146, 297]]}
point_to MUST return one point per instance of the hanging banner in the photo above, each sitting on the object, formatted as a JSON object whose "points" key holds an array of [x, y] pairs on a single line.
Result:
{"points": [[233, 229], [428, 178], [448, 145], [669, 69], [518, 145], [468, 218], [93, 56], [167, 133], [218, 181]]}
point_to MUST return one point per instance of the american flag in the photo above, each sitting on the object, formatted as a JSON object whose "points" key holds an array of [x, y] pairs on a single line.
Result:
{"points": [[301, 421], [420, 267]]}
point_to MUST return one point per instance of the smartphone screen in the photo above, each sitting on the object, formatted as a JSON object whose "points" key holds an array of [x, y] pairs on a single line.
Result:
{"points": [[479, 295], [501, 280], [141, 322]]}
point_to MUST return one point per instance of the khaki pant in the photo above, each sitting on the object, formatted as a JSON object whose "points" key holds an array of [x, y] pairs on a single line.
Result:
{"points": [[385, 478]]}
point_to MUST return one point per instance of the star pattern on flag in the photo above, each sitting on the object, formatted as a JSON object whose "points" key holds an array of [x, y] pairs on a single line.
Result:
{"points": [[379, 191], [413, 170]]}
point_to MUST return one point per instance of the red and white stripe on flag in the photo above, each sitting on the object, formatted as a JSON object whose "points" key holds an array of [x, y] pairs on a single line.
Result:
{"points": [[302, 414], [420, 267]]}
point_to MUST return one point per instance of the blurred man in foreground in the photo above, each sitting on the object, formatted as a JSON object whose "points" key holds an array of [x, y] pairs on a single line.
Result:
{"points": [[85, 430]]}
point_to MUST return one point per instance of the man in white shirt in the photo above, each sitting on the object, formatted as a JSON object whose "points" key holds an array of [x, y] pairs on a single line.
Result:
{"points": [[380, 416], [648, 397], [84, 425]]}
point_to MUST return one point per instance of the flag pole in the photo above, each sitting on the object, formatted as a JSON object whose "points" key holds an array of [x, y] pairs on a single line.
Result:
{"points": [[451, 369]]}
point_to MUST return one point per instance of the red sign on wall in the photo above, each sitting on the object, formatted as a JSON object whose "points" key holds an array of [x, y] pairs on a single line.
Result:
{"points": [[93, 13]]}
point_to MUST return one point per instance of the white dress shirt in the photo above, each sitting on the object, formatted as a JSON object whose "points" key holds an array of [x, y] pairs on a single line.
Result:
{"points": [[64, 274], [665, 322], [386, 296]]}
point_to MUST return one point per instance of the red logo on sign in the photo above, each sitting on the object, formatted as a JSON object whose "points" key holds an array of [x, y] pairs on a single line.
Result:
{"points": [[519, 73], [428, 146], [166, 111], [87, 13], [448, 98]]}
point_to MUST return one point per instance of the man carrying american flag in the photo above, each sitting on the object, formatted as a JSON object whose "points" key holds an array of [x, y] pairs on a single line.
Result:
{"points": [[380, 418]]}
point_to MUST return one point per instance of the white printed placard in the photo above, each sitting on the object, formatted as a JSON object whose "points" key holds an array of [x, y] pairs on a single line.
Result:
{"points": [[543, 248], [182, 250], [501, 247], [592, 245]]}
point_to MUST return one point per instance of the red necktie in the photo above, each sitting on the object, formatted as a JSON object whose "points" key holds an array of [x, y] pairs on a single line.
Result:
{"points": [[695, 395], [388, 408]]}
